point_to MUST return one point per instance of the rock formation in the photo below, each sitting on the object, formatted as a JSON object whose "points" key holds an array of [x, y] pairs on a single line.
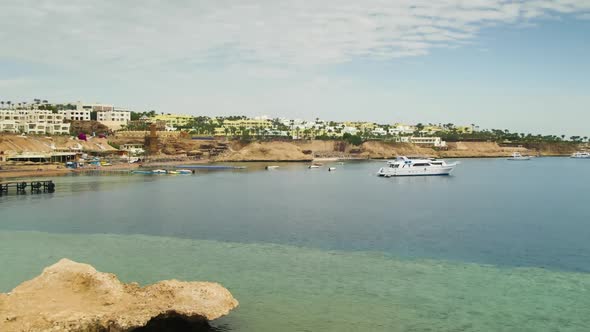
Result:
{"points": [[70, 296]]}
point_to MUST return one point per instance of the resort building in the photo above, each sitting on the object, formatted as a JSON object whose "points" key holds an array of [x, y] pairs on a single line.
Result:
{"points": [[429, 130], [255, 127], [429, 141], [350, 130], [76, 115], [401, 129], [133, 149], [464, 129], [361, 126], [9, 121], [115, 119], [94, 107], [174, 120], [33, 122], [378, 132]]}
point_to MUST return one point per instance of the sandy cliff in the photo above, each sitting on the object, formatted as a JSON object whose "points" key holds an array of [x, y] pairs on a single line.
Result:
{"points": [[382, 150], [305, 150], [265, 151], [70, 296], [481, 149]]}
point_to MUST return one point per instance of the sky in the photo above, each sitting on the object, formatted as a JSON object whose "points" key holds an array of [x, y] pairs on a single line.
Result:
{"points": [[518, 65]]}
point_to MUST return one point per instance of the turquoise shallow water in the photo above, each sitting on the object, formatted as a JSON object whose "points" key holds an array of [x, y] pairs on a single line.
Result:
{"points": [[499, 246], [285, 288]]}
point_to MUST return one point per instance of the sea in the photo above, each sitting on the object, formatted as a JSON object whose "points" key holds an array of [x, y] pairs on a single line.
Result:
{"points": [[497, 246]]}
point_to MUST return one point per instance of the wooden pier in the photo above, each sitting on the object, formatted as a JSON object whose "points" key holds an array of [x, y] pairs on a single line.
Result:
{"points": [[20, 187]]}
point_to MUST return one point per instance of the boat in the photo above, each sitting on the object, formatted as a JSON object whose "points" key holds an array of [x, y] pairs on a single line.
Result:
{"points": [[404, 166], [211, 167], [517, 156], [172, 172], [581, 155], [184, 171], [142, 172], [331, 169], [271, 167], [159, 171], [315, 165]]}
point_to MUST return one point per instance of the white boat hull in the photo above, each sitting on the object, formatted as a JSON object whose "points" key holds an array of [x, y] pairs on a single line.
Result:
{"points": [[519, 158], [416, 171]]}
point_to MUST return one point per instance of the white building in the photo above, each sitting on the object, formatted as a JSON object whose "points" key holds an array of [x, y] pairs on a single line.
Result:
{"points": [[401, 129], [430, 141], [9, 121], [107, 114], [94, 107], [378, 132], [77, 114], [350, 130], [33, 122], [115, 118]]}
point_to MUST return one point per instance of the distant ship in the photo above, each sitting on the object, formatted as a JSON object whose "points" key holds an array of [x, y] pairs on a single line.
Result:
{"points": [[581, 155]]}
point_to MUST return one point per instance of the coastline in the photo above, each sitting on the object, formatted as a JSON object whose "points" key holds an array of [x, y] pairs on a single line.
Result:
{"points": [[304, 152]]}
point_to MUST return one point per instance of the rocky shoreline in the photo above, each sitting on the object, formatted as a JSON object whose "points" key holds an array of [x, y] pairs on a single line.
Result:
{"points": [[74, 297]]}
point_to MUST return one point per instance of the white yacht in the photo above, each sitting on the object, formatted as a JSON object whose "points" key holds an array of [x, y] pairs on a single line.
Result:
{"points": [[404, 166], [581, 155], [517, 156]]}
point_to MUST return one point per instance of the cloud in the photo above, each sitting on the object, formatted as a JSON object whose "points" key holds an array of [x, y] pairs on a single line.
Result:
{"points": [[135, 35]]}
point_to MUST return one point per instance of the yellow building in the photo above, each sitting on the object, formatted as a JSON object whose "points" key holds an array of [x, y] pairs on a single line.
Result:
{"points": [[247, 123], [464, 129], [362, 126], [432, 129], [173, 120], [234, 127]]}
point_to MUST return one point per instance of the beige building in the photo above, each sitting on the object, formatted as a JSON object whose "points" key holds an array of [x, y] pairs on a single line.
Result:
{"points": [[114, 119]]}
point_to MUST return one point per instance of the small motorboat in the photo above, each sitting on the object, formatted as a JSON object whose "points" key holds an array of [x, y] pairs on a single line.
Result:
{"points": [[331, 169], [172, 172], [142, 172], [184, 171], [268, 168], [516, 156], [315, 165], [159, 171]]}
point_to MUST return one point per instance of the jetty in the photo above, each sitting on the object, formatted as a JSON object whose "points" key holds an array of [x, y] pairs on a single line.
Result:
{"points": [[20, 187]]}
